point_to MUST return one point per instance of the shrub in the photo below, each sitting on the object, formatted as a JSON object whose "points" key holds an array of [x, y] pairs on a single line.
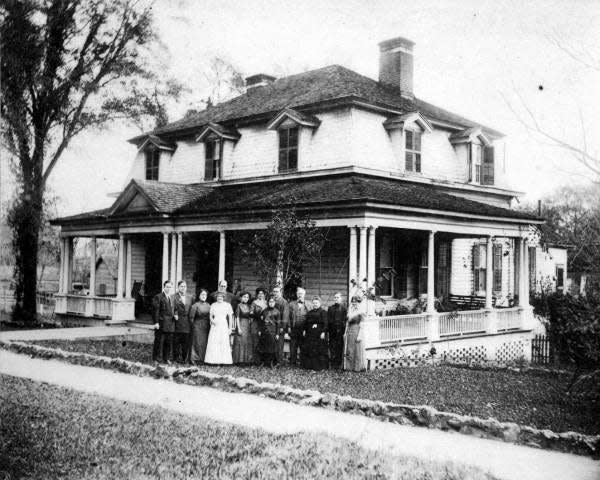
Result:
{"points": [[573, 326]]}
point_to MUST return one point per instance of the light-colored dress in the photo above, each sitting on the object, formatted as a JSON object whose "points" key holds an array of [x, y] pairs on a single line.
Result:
{"points": [[354, 354], [218, 349]]}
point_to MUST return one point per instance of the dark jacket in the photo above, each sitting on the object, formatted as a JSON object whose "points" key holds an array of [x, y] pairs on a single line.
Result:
{"points": [[282, 305], [183, 323], [163, 312], [297, 316], [337, 315]]}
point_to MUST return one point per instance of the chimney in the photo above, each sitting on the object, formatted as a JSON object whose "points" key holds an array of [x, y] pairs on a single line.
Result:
{"points": [[258, 80], [396, 65]]}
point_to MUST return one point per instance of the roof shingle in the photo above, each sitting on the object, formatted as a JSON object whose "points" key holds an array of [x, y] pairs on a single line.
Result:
{"points": [[325, 84]]}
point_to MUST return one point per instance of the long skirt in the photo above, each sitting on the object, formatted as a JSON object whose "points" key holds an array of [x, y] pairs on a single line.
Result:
{"points": [[242, 343], [218, 348], [314, 354], [354, 358], [200, 331], [254, 328]]}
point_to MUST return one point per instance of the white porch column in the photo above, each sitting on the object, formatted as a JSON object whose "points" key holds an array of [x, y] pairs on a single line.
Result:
{"points": [[362, 259], [61, 270], [489, 273], [222, 255], [165, 258], [128, 284], [371, 260], [431, 273], [352, 257], [173, 276], [179, 256], [93, 266], [70, 257], [121, 269], [525, 274]]}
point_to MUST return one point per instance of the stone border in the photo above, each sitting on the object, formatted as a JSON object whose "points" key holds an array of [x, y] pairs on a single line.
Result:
{"points": [[425, 416]]}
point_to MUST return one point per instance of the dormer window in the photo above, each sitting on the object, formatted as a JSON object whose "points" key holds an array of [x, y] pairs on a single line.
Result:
{"points": [[214, 136], [152, 163], [213, 152], [288, 123], [152, 146], [288, 149], [412, 151], [480, 154], [406, 133]]}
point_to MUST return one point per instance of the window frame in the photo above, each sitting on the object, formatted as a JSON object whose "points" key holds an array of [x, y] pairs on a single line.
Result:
{"points": [[477, 163], [415, 165], [152, 163], [479, 268], [216, 161], [286, 150]]}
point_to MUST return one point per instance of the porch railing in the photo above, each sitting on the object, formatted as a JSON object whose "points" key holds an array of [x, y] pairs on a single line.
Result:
{"points": [[103, 307], [113, 309], [508, 319], [460, 323], [76, 304], [402, 327]]}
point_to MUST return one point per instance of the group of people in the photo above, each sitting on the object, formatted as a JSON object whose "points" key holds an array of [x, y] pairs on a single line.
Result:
{"points": [[221, 328]]}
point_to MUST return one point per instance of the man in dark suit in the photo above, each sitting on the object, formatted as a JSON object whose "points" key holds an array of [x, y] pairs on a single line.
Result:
{"points": [[298, 311], [181, 338], [282, 305], [164, 323], [337, 316]]}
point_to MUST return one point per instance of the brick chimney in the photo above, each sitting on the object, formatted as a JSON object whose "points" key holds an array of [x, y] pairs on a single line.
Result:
{"points": [[258, 80], [396, 65]]}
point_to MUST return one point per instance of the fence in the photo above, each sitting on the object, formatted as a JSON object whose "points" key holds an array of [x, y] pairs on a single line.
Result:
{"points": [[541, 350], [402, 327]]}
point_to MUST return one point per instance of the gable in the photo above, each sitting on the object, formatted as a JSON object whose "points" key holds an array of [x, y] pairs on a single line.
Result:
{"points": [[137, 204]]}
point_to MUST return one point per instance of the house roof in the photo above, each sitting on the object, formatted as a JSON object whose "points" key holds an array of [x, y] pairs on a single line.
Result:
{"points": [[176, 199], [309, 89]]}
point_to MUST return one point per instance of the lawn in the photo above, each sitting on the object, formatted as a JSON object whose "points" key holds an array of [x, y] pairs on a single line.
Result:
{"points": [[528, 398], [52, 432]]}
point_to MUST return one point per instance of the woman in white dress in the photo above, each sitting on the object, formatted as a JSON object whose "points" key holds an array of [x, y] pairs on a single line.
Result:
{"points": [[218, 349]]}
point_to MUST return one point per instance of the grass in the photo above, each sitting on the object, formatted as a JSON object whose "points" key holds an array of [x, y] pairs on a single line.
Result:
{"points": [[52, 432], [528, 398]]}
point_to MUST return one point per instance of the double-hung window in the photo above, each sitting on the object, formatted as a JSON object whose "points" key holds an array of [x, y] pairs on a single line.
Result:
{"points": [[477, 160], [212, 155], [479, 267], [288, 149], [412, 156], [152, 163]]}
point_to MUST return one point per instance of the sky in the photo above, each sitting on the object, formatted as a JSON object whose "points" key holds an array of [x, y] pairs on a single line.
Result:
{"points": [[484, 60]]}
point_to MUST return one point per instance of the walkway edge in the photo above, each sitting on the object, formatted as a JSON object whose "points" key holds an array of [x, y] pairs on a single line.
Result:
{"points": [[425, 416]]}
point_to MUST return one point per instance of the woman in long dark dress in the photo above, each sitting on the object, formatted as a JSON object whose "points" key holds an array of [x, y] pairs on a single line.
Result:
{"points": [[315, 352], [270, 321], [242, 347], [200, 319], [256, 309]]}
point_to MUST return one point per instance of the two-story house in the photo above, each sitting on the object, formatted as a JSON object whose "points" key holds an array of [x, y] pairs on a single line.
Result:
{"points": [[410, 196]]}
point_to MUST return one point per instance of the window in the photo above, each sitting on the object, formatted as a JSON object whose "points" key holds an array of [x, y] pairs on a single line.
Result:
{"points": [[152, 162], [477, 159], [487, 168], [497, 267], [412, 151], [532, 269], [560, 277], [288, 149], [479, 267], [212, 162]]}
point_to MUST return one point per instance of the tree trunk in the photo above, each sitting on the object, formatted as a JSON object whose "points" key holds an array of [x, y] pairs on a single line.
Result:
{"points": [[25, 219]]}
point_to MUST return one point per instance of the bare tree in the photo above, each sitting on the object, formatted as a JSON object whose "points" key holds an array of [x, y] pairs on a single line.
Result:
{"points": [[581, 151], [67, 66]]}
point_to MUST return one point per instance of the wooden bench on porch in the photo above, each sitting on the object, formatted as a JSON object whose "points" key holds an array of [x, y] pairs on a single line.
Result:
{"points": [[470, 302]]}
